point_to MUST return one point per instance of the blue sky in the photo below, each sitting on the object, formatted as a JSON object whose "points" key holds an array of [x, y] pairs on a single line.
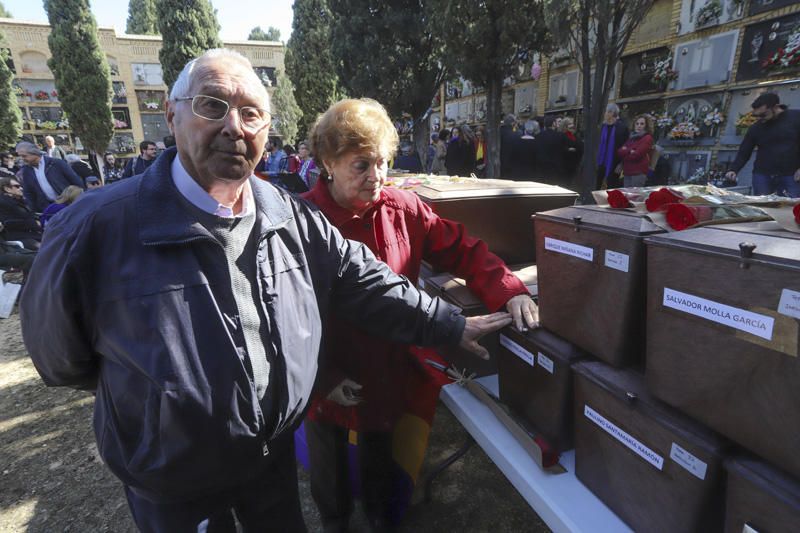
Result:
{"points": [[236, 18]]}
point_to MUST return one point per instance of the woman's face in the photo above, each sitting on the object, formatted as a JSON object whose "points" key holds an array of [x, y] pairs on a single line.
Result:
{"points": [[303, 151], [8, 161], [455, 133], [14, 189], [357, 180], [479, 134], [110, 159], [640, 125]]}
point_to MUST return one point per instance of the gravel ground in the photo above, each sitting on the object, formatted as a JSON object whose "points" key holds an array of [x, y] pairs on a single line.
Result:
{"points": [[52, 480]]}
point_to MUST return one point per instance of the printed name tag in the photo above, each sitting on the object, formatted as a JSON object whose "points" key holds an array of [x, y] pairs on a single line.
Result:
{"points": [[545, 362], [747, 321], [790, 303], [634, 445], [688, 461], [516, 349], [617, 261], [568, 248]]}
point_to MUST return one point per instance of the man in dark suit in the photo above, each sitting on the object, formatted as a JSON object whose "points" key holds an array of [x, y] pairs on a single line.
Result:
{"points": [[43, 178], [550, 147]]}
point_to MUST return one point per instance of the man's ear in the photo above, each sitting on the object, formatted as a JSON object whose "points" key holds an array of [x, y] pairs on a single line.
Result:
{"points": [[169, 113]]}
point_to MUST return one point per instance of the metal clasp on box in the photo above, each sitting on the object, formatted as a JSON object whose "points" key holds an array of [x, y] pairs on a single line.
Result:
{"points": [[577, 222], [746, 253]]}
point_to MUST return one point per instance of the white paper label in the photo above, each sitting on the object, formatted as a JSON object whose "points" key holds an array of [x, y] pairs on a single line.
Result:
{"points": [[753, 323], [634, 445], [617, 260], [688, 461], [568, 248], [544, 362], [516, 349], [790, 303]]}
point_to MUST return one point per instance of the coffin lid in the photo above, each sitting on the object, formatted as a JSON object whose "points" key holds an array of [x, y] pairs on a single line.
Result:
{"points": [[603, 219], [552, 345], [456, 290], [480, 188], [622, 383], [773, 244], [767, 477]]}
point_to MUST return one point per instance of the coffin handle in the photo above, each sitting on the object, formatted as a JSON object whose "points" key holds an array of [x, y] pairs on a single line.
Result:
{"points": [[746, 252]]}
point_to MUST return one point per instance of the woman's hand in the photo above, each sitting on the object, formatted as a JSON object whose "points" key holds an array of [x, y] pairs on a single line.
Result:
{"points": [[524, 312], [346, 393]]}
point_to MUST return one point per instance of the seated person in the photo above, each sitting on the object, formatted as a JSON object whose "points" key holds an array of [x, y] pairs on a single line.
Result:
{"points": [[13, 256], [64, 199], [20, 222]]}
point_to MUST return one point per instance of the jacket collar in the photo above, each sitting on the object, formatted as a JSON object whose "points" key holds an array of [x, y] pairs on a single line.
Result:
{"points": [[321, 196], [163, 219]]}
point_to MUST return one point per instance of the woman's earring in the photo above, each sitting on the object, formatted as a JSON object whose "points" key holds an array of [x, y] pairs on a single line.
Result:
{"points": [[330, 177]]}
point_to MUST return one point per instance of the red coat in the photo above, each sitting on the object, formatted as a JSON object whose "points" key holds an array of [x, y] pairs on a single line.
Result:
{"points": [[635, 155], [402, 231]]}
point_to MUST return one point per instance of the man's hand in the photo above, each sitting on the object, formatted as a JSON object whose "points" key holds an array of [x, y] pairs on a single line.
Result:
{"points": [[477, 327], [346, 393], [731, 175], [524, 312], [797, 175]]}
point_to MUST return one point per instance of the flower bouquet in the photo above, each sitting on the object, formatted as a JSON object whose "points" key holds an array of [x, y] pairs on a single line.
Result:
{"points": [[682, 216], [664, 121], [19, 91], [120, 124], [42, 95], [786, 57], [684, 131], [663, 73], [714, 118], [744, 122], [709, 13]]}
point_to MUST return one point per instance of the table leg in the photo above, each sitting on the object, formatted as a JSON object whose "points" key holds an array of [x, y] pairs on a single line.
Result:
{"points": [[444, 465]]}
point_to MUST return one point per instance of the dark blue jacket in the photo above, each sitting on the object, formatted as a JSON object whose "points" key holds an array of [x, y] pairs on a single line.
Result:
{"points": [[130, 296], [58, 173]]}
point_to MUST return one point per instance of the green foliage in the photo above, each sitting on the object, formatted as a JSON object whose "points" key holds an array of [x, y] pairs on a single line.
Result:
{"points": [[142, 17], [81, 71], [10, 114], [287, 112], [5, 13], [257, 34], [188, 29], [309, 62]]}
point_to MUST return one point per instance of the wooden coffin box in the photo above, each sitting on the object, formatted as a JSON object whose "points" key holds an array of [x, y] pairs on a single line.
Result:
{"points": [[535, 378], [497, 211], [760, 498], [455, 291], [592, 279], [722, 333], [658, 470]]}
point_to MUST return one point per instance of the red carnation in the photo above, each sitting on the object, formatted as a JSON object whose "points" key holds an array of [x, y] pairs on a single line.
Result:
{"points": [[796, 212], [682, 216], [618, 200], [658, 199]]}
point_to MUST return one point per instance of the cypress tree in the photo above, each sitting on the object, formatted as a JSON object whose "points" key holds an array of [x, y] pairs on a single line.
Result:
{"points": [[188, 28], [81, 71], [309, 62], [287, 112], [142, 17], [10, 114]]}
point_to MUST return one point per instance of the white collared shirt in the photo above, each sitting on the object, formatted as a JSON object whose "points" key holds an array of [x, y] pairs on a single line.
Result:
{"points": [[194, 193], [41, 177]]}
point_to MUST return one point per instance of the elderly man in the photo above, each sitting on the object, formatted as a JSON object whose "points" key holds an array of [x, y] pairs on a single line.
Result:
{"points": [[613, 134], [44, 178], [51, 150], [191, 299]]}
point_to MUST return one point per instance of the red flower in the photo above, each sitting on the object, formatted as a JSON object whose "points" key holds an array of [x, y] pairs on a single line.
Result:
{"points": [[682, 216], [658, 199], [796, 212], [618, 200]]}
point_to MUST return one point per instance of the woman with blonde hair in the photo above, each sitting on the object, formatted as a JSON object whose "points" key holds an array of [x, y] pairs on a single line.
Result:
{"points": [[367, 385], [67, 196]]}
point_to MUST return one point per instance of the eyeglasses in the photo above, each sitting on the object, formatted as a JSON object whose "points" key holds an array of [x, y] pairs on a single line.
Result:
{"points": [[15, 186], [211, 108]]}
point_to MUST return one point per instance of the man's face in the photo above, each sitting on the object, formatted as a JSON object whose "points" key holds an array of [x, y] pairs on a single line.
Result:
{"points": [[764, 113], [29, 158], [150, 152], [223, 149], [610, 117], [49, 142]]}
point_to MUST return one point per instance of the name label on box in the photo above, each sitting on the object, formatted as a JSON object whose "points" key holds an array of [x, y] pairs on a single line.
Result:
{"points": [[516, 349], [688, 461], [568, 248], [631, 443], [790, 303], [617, 261], [741, 319], [544, 362]]}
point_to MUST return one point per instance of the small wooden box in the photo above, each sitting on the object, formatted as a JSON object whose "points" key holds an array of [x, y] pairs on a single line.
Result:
{"points": [[535, 378], [591, 264], [723, 321], [658, 470]]}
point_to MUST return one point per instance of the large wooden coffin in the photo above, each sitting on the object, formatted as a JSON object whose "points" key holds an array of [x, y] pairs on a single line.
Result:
{"points": [[658, 470], [592, 279], [722, 333], [497, 211], [760, 498], [455, 291], [535, 378]]}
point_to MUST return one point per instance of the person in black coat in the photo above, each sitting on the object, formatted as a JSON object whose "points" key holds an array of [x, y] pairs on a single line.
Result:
{"points": [[19, 222], [522, 155], [460, 158], [8, 167], [508, 141], [550, 150], [81, 167], [57, 176]]}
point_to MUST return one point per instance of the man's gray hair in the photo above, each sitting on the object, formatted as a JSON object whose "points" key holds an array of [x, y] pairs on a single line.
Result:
{"points": [[180, 89], [28, 147], [613, 109]]}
